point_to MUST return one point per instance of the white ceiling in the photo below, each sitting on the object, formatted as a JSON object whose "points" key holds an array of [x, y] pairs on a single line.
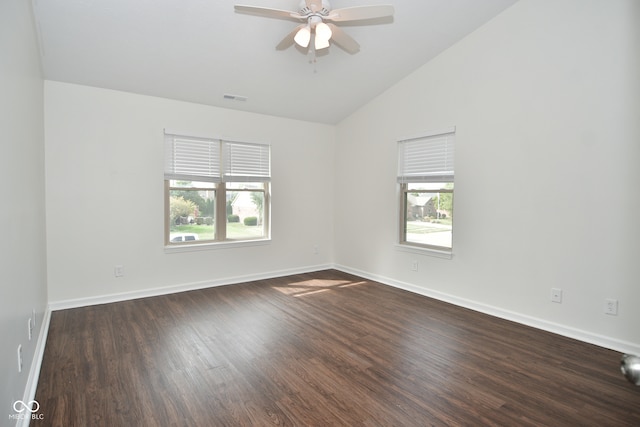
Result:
{"points": [[199, 50]]}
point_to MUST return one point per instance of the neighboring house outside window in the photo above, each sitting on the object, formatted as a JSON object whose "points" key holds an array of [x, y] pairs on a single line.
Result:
{"points": [[215, 190], [425, 177]]}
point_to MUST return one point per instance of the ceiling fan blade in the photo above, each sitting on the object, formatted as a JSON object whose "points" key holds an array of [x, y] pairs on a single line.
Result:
{"points": [[268, 12], [344, 40], [358, 13], [288, 41]]}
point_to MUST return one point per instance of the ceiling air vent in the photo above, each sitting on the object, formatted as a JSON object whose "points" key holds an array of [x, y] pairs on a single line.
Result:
{"points": [[234, 97]]}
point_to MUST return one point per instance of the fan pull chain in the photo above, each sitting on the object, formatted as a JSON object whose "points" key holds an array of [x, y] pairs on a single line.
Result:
{"points": [[313, 60]]}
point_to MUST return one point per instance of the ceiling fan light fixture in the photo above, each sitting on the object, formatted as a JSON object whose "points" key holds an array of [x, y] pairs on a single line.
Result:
{"points": [[321, 43], [303, 36], [323, 34], [323, 31]]}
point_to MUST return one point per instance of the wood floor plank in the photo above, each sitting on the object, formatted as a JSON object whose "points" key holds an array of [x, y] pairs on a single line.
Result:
{"points": [[324, 348]]}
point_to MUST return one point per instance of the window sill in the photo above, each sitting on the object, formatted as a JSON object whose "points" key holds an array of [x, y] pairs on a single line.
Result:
{"points": [[424, 251], [215, 246]]}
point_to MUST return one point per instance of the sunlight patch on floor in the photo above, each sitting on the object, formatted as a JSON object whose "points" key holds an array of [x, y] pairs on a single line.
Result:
{"points": [[304, 294], [314, 286], [352, 284]]}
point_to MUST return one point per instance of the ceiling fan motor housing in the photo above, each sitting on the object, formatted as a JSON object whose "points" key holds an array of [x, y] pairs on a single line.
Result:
{"points": [[310, 8], [314, 20]]}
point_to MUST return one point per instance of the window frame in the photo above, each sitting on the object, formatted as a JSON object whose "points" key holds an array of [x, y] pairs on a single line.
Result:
{"points": [[266, 210], [226, 172], [443, 174], [404, 191], [167, 215]]}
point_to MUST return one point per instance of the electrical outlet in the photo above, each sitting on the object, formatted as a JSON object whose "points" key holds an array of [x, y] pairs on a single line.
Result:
{"points": [[30, 328], [118, 270], [20, 358], [414, 265], [556, 295], [33, 317], [315, 249], [611, 306]]}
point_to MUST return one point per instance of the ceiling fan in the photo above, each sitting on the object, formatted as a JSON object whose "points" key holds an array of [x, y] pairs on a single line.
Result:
{"points": [[314, 13]]}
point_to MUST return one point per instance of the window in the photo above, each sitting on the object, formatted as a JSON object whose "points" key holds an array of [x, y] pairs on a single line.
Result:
{"points": [[425, 177], [215, 190]]}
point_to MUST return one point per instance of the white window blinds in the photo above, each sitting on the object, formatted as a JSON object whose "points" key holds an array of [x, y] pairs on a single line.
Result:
{"points": [[191, 159], [213, 160], [426, 159], [245, 162]]}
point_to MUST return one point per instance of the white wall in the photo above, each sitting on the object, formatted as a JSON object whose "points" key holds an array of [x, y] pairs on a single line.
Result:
{"points": [[546, 101], [22, 246], [105, 200]]}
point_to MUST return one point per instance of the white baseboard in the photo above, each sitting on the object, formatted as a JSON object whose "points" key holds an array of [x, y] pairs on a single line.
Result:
{"points": [[36, 364], [125, 296], [559, 329]]}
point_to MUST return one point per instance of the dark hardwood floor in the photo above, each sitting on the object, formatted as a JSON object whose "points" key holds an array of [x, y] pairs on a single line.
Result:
{"points": [[319, 349]]}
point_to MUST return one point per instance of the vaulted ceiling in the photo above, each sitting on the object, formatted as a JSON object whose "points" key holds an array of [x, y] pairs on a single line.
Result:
{"points": [[200, 50]]}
